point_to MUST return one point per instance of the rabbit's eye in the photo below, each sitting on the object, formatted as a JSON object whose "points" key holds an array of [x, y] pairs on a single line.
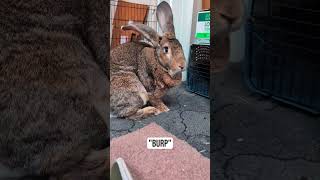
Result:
{"points": [[165, 49]]}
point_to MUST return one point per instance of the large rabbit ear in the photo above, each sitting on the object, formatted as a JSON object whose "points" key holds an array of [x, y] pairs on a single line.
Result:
{"points": [[165, 18], [147, 32]]}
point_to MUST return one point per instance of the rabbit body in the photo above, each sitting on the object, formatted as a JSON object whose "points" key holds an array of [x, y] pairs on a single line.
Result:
{"points": [[136, 78], [142, 72]]}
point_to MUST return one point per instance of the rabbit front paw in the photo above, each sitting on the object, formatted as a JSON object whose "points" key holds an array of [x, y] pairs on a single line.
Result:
{"points": [[163, 108]]}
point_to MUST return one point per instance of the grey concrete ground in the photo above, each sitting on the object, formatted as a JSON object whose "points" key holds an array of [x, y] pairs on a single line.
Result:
{"points": [[256, 138], [188, 119]]}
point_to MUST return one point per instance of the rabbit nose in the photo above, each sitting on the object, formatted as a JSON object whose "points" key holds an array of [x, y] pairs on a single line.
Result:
{"points": [[181, 67]]}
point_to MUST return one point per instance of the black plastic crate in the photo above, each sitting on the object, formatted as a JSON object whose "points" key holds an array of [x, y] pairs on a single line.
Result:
{"points": [[282, 52], [200, 57], [198, 72], [198, 82]]}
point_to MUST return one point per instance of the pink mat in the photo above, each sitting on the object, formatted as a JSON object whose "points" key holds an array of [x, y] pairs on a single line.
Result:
{"points": [[181, 162]]}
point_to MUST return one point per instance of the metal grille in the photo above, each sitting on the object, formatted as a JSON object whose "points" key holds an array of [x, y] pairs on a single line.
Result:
{"points": [[200, 57], [198, 76], [140, 11]]}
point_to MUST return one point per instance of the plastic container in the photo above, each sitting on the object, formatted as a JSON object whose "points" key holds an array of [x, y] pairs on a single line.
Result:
{"points": [[282, 52], [198, 72], [200, 57], [120, 171]]}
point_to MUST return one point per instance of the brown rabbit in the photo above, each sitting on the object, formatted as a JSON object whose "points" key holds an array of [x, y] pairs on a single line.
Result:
{"points": [[228, 16], [143, 72], [53, 89]]}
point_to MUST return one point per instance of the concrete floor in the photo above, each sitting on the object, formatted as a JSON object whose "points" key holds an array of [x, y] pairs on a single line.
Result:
{"points": [[188, 119], [256, 138]]}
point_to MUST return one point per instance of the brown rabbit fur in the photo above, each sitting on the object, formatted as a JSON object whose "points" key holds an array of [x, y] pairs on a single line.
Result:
{"points": [[142, 73], [228, 17], [53, 89]]}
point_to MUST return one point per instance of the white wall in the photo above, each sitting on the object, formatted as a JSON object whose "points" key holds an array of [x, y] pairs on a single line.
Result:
{"points": [[197, 6]]}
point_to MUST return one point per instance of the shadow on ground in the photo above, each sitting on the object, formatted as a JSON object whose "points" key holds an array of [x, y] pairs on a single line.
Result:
{"points": [[256, 138], [188, 119]]}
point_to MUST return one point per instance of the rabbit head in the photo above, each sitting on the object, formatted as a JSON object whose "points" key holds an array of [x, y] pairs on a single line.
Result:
{"points": [[228, 14], [168, 50]]}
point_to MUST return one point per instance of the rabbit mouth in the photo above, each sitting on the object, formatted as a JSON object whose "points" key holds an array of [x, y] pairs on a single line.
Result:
{"points": [[173, 73]]}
